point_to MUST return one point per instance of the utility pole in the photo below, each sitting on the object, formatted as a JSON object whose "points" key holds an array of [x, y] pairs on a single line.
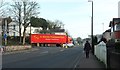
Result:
{"points": [[92, 30], [92, 27]]}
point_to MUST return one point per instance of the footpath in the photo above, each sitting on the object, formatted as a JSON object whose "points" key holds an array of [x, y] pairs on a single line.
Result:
{"points": [[91, 62]]}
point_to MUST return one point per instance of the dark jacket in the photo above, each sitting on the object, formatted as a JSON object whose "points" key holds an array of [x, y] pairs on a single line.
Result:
{"points": [[87, 47]]}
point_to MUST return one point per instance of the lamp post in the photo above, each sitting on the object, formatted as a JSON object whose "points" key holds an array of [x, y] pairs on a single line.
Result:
{"points": [[92, 27], [103, 26]]}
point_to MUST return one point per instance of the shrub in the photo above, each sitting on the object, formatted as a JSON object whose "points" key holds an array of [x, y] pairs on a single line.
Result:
{"points": [[117, 46], [11, 40]]}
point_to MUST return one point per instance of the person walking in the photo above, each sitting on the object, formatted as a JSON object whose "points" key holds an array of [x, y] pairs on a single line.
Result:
{"points": [[87, 49]]}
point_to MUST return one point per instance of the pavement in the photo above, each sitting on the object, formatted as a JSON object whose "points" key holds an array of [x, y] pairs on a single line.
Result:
{"points": [[91, 62]]}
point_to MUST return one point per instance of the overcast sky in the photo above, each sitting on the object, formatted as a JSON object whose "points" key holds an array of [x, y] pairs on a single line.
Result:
{"points": [[76, 14]]}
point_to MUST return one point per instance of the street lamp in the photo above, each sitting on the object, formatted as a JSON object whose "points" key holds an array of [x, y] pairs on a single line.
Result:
{"points": [[92, 27], [103, 26]]}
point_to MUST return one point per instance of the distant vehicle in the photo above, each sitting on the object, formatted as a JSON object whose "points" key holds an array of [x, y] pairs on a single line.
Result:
{"points": [[51, 39], [69, 45]]}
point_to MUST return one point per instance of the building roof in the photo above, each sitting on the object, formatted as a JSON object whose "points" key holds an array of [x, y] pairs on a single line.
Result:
{"points": [[110, 24], [116, 20], [109, 30]]}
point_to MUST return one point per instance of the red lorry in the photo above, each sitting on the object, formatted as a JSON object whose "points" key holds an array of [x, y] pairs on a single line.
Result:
{"points": [[50, 39]]}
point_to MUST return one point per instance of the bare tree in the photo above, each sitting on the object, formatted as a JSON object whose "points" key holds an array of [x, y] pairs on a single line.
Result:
{"points": [[56, 24], [2, 9], [59, 23], [29, 9], [23, 11], [16, 10]]}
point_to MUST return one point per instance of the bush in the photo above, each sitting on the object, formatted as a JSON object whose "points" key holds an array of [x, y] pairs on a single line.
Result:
{"points": [[110, 43], [117, 46], [11, 40]]}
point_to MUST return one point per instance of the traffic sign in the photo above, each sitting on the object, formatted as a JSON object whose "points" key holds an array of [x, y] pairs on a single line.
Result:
{"points": [[5, 36]]}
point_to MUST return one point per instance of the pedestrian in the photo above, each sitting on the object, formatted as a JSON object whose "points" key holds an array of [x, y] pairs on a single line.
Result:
{"points": [[87, 49]]}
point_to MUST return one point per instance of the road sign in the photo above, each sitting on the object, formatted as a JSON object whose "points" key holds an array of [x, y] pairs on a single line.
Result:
{"points": [[5, 36]]}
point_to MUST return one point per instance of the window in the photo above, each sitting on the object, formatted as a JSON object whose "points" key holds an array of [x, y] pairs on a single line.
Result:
{"points": [[112, 30], [14, 27], [14, 34], [117, 27]]}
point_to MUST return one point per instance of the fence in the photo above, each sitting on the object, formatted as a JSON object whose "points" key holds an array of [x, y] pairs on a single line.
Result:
{"points": [[101, 52]]}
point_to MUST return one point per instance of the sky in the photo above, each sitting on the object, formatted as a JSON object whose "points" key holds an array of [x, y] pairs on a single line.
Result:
{"points": [[76, 14]]}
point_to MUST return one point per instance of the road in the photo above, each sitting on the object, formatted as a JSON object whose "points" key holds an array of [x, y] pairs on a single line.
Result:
{"points": [[44, 57]]}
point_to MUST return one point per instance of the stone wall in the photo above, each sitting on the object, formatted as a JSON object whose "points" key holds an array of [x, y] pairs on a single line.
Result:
{"points": [[16, 48]]}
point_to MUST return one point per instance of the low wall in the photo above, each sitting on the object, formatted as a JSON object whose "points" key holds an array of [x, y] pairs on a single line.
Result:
{"points": [[16, 48], [114, 59]]}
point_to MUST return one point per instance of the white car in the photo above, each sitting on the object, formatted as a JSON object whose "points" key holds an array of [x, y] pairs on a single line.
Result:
{"points": [[68, 45]]}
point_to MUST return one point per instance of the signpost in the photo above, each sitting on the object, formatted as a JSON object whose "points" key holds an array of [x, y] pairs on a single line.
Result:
{"points": [[5, 38], [5, 33]]}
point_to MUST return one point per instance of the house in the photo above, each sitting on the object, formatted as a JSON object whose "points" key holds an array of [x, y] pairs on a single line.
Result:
{"points": [[11, 28], [14, 29], [115, 29], [107, 34], [4, 22]]}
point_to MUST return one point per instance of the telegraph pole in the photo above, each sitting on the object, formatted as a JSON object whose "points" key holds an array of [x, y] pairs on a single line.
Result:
{"points": [[92, 27]]}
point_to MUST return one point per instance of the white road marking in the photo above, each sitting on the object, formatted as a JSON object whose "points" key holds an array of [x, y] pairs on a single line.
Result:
{"points": [[45, 52], [77, 61], [61, 50], [27, 52]]}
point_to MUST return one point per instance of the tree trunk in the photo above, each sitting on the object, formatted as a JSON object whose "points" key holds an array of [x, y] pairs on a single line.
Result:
{"points": [[20, 35], [24, 36], [20, 24], [20, 30], [24, 33]]}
